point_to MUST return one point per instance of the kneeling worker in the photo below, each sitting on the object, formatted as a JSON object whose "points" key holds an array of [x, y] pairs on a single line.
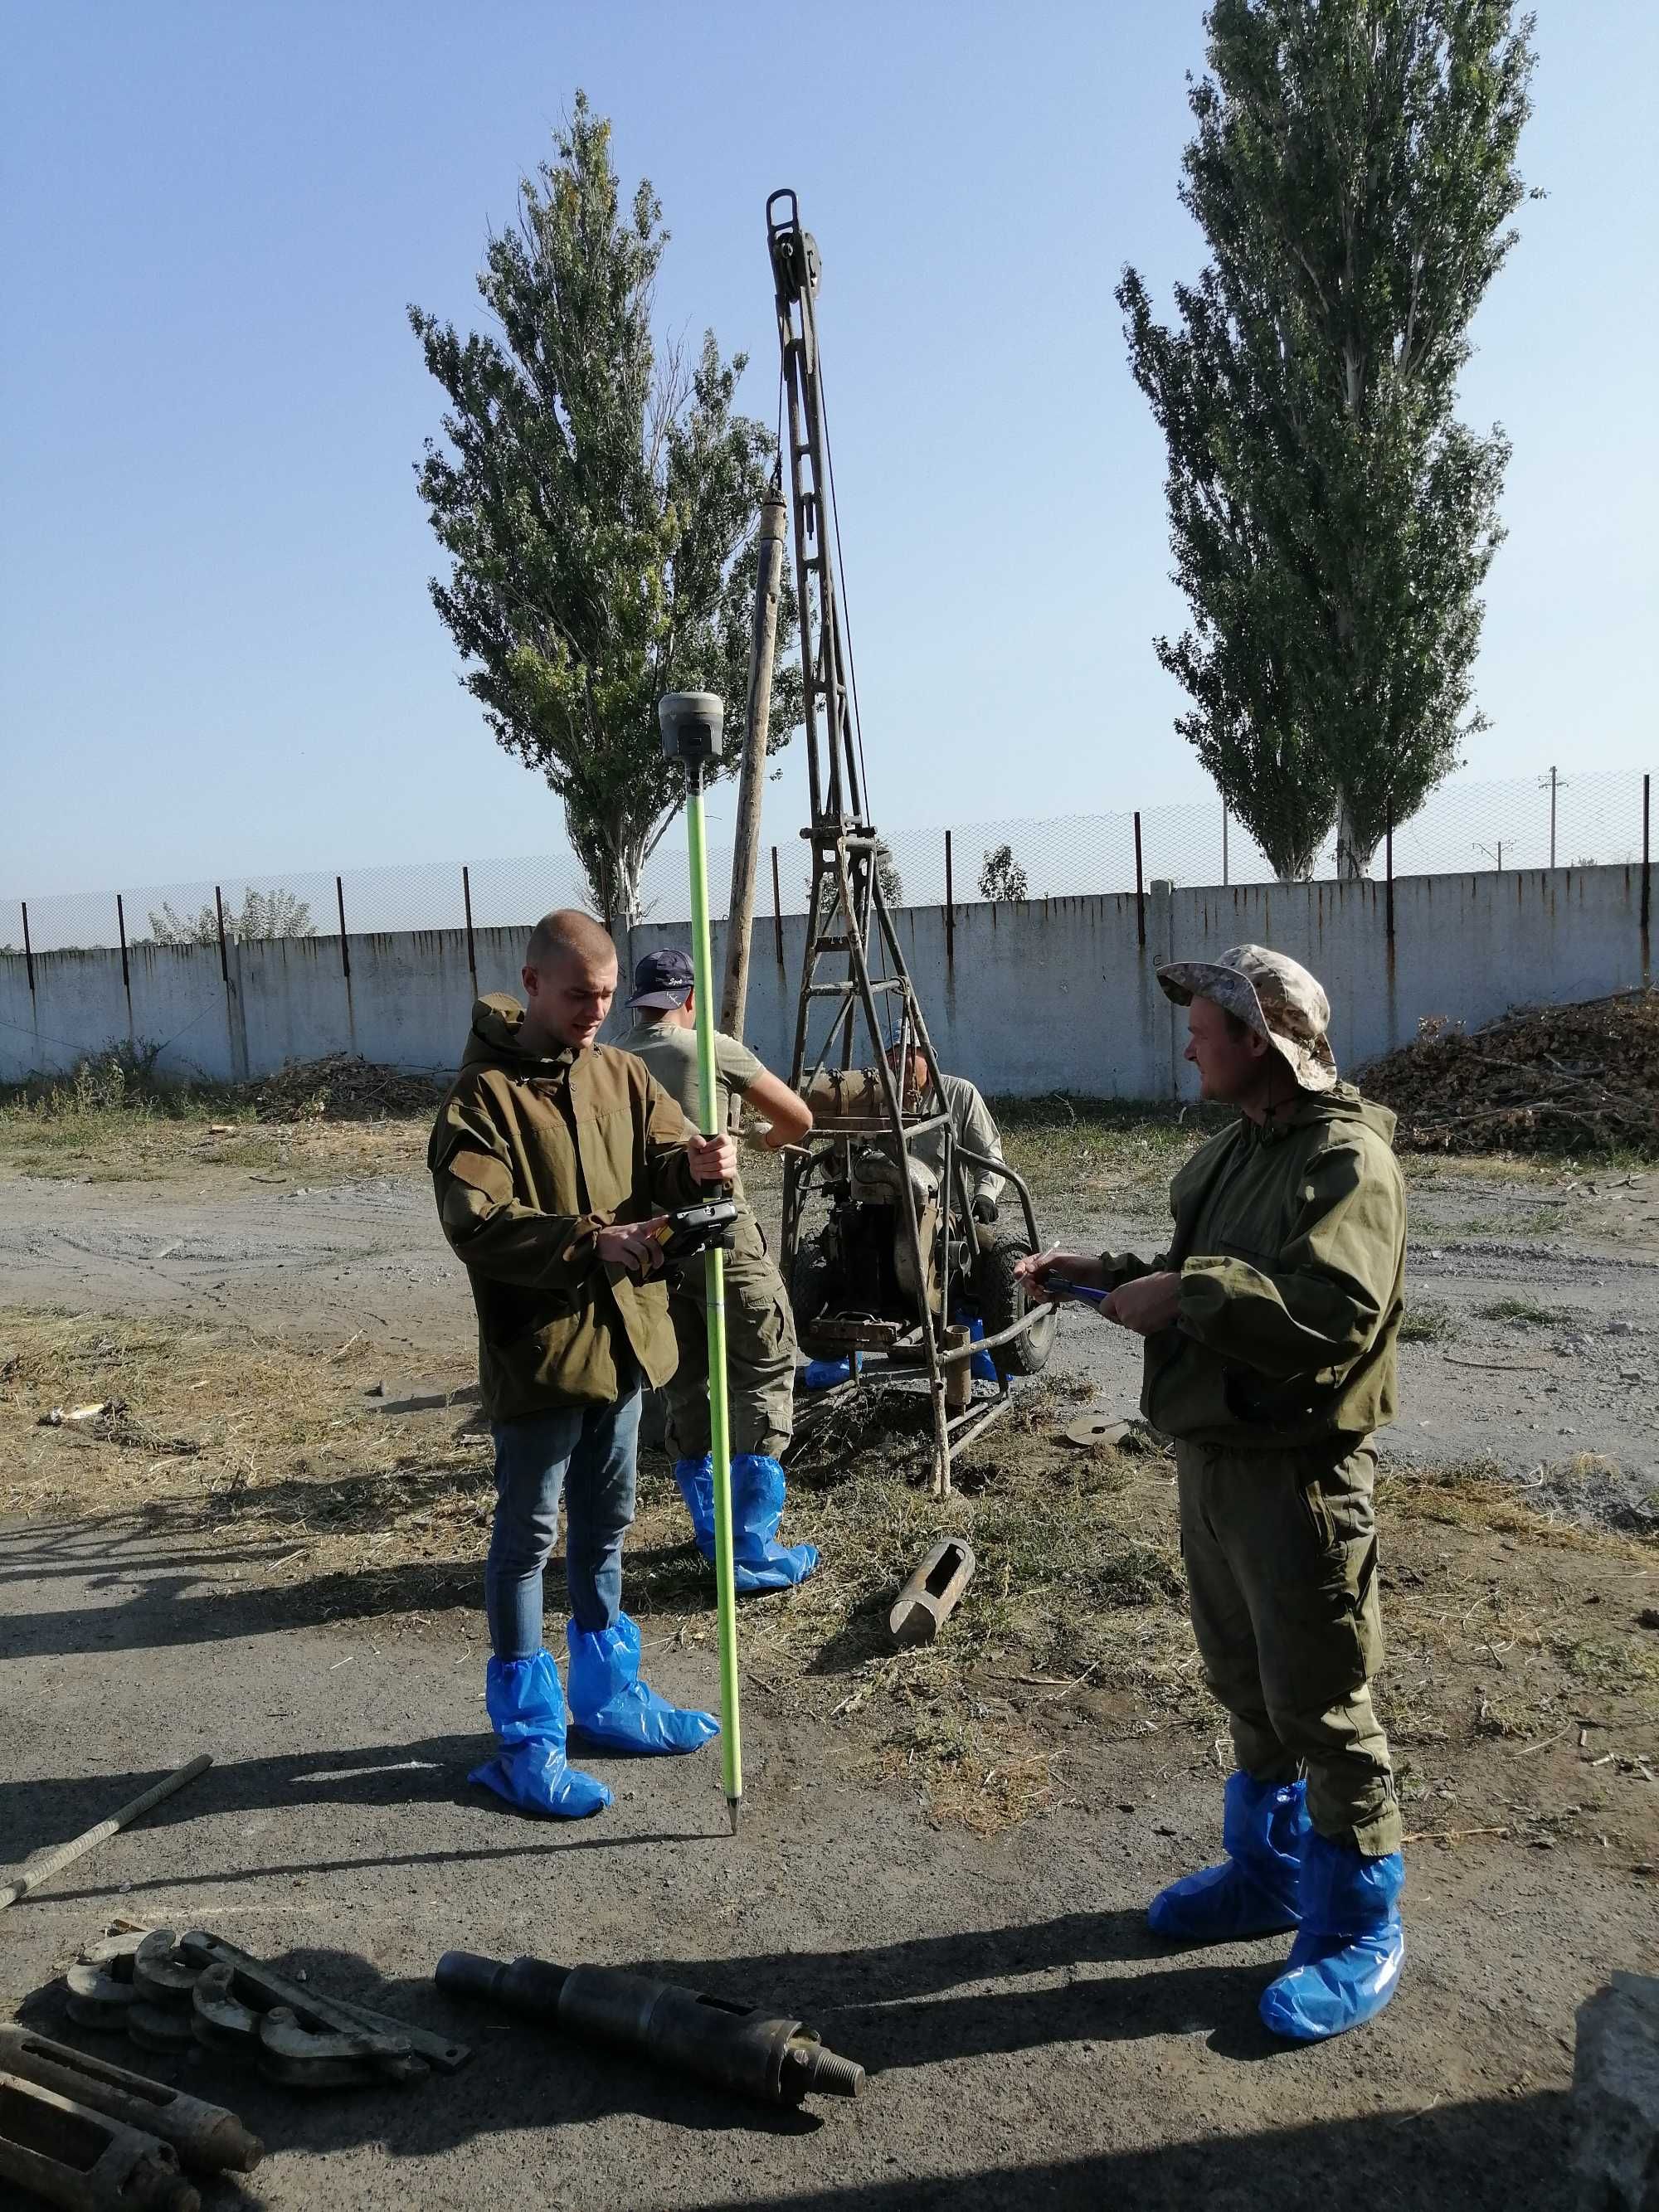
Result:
{"points": [[760, 1331], [553, 1158], [971, 1124], [1270, 1327]]}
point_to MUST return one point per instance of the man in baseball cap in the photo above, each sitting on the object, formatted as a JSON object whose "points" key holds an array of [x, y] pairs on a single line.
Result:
{"points": [[1270, 1326]]}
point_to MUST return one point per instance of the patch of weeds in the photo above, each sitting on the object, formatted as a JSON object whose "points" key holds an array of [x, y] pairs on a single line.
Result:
{"points": [[1526, 1312], [1426, 1324]]}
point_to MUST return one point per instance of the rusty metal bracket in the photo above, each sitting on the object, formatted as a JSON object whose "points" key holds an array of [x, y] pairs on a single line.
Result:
{"points": [[161, 2027], [71, 2155], [161, 1974], [219, 2019], [208, 2138], [263, 1987], [301, 2057], [98, 2000], [933, 1592]]}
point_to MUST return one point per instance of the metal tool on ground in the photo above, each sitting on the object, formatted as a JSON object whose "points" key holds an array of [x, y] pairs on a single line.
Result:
{"points": [[899, 1251], [691, 722], [1092, 1429], [78, 1846], [933, 1592], [261, 1987], [72, 2155], [735, 2047], [208, 2138]]}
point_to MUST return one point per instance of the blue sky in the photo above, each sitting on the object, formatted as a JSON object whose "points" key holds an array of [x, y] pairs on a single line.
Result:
{"points": [[216, 650]]}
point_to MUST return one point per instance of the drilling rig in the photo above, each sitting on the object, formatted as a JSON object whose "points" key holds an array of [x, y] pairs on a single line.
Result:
{"points": [[885, 1262]]}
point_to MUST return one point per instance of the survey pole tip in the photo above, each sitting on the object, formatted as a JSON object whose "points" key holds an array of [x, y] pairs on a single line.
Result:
{"points": [[733, 1806]]}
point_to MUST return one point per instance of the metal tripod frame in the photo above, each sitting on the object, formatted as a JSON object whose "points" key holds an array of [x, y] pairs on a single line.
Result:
{"points": [[849, 908]]}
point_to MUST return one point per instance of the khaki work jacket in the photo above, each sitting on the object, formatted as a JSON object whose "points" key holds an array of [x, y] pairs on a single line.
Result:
{"points": [[1290, 1239], [530, 1158]]}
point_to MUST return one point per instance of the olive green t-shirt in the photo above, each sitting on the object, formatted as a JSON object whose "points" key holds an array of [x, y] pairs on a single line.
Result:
{"points": [[670, 1053]]}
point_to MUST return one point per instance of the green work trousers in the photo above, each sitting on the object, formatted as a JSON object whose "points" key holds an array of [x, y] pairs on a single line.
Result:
{"points": [[760, 1352], [1281, 1550]]}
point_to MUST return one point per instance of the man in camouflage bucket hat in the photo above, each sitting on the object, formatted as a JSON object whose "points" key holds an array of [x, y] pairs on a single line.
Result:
{"points": [[1270, 1327]]}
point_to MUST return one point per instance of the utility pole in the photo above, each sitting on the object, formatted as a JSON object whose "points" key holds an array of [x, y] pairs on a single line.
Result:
{"points": [[1552, 783], [745, 857]]}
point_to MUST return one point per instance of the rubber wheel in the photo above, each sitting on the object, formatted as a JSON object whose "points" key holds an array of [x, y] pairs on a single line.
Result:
{"points": [[1002, 1302], [809, 1287]]}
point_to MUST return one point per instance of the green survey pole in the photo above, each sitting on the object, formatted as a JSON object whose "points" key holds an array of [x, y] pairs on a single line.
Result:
{"points": [[691, 724]]}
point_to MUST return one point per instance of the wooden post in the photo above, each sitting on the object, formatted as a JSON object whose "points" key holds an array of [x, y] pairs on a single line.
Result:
{"points": [[1140, 890], [121, 925], [28, 948], [345, 957], [745, 857], [1387, 850], [777, 906], [224, 956], [950, 905], [471, 956]]}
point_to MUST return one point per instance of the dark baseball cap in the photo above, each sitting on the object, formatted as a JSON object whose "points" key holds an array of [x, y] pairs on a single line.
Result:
{"points": [[664, 979]]}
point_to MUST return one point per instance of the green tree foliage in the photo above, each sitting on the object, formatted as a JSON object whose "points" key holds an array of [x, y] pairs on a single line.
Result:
{"points": [[1353, 174], [597, 497], [261, 915], [1001, 876]]}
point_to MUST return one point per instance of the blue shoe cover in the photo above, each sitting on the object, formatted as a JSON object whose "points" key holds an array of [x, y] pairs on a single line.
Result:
{"points": [[824, 1374], [757, 1494], [611, 1706], [1254, 1891], [526, 1709], [760, 1562], [695, 1477], [981, 1367], [1345, 1963]]}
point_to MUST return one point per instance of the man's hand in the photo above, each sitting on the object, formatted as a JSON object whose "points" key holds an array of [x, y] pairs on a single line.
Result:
{"points": [[1147, 1305], [984, 1210], [632, 1245], [1037, 1268], [713, 1159]]}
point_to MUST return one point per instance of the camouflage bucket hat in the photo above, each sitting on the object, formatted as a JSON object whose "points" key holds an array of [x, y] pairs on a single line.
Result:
{"points": [[1275, 995]]}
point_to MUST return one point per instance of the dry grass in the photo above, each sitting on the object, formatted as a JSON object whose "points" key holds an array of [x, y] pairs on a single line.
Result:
{"points": [[1507, 1626]]}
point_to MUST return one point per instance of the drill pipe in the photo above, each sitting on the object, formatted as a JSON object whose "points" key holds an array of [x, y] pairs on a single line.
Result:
{"points": [[207, 2137], [84, 2160], [734, 2046]]}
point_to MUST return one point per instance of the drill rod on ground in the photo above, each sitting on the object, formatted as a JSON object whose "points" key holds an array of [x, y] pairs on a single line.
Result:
{"points": [[78, 1846], [734, 2046]]}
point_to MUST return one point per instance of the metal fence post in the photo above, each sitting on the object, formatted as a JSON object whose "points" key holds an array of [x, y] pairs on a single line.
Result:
{"points": [[121, 925], [28, 948], [1224, 845], [777, 907], [345, 957], [1647, 851], [224, 956], [950, 905], [1140, 890], [1388, 848], [466, 901]]}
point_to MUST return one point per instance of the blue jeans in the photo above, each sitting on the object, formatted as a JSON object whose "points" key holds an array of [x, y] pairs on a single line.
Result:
{"points": [[587, 1453]]}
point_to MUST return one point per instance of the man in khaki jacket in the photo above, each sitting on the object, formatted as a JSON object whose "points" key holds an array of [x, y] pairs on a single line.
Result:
{"points": [[1270, 1327], [553, 1159]]}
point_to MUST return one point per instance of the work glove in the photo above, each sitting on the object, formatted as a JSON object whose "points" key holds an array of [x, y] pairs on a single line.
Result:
{"points": [[984, 1210]]}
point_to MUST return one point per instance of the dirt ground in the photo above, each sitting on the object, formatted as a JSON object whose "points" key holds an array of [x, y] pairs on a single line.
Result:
{"points": [[267, 1563]]}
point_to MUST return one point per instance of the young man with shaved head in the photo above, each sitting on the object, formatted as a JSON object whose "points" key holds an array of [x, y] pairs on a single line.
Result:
{"points": [[554, 1159], [1270, 1325]]}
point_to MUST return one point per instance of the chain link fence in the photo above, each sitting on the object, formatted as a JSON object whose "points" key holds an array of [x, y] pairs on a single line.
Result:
{"points": [[1579, 820]]}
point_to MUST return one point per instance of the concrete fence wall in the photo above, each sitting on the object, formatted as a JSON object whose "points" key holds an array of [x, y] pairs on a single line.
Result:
{"points": [[1052, 994]]}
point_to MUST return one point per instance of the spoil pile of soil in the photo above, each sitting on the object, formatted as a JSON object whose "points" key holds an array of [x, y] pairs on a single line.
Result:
{"points": [[342, 1088], [1573, 1079]]}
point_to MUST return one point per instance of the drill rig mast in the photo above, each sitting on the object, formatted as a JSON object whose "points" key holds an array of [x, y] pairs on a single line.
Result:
{"points": [[861, 1154]]}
